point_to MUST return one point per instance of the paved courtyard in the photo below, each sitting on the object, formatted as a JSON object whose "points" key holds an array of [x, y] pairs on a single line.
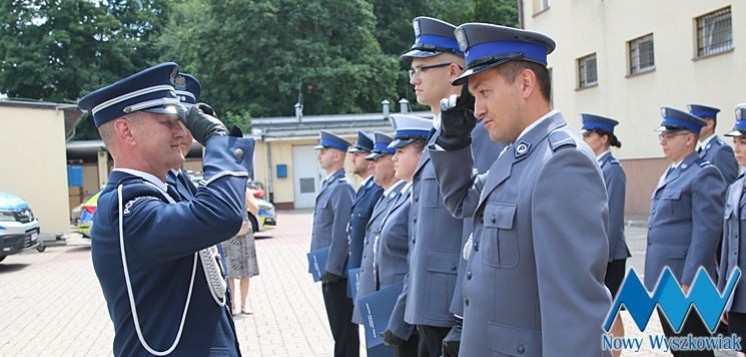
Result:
{"points": [[51, 304]]}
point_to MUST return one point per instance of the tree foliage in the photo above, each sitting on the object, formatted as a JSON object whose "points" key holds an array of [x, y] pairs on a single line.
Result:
{"points": [[254, 58]]}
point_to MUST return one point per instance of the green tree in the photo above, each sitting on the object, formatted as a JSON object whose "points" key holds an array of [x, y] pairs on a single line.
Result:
{"points": [[59, 50], [260, 56]]}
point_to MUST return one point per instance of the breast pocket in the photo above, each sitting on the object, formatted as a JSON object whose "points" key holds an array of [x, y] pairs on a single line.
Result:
{"points": [[672, 202], [499, 243]]}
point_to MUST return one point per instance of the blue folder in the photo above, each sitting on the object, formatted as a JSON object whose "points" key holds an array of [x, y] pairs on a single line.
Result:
{"points": [[353, 282], [380, 351], [317, 262], [375, 310]]}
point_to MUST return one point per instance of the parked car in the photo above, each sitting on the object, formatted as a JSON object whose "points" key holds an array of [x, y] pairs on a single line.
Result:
{"points": [[86, 215], [19, 229], [266, 218]]}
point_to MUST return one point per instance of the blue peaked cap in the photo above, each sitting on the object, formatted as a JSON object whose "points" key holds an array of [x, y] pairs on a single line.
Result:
{"points": [[674, 119], [150, 90], [408, 129], [487, 45], [329, 140], [431, 38], [703, 111], [187, 88], [739, 129], [381, 147], [364, 143], [597, 122]]}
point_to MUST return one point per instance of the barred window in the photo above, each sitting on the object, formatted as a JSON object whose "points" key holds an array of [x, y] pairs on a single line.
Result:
{"points": [[587, 73], [641, 54], [714, 32]]}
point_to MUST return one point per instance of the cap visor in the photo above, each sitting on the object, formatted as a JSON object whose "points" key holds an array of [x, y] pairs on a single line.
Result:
{"points": [[400, 143], [474, 70], [319, 147], [178, 110], [735, 133], [420, 54], [354, 150], [372, 156]]}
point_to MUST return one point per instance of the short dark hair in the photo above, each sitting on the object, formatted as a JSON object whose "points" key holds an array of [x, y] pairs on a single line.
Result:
{"points": [[510, 70]]}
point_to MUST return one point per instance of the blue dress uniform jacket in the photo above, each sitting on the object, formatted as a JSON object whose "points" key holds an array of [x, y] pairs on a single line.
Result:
{"points": [[330, 219], [435, 250], [734, 244], [485, 152], [721, 155], [616, 187], [391, 258], [365, 199], [160, 241], [372, 233], [535, 276], [685, 221]]}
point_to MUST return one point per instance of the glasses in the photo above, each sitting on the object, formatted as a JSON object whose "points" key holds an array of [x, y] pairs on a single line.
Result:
{"points": [[421, 69], [668, 135]]}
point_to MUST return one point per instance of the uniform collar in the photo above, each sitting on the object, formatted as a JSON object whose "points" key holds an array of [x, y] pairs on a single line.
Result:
{"points": [[393, 187], [436, 122], [145, 176], [537, 122], [703, 144], [600, 158]]}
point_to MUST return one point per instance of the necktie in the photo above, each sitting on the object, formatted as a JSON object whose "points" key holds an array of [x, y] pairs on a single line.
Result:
{"points": [[699, 151], [432, 132], [670, 169]]}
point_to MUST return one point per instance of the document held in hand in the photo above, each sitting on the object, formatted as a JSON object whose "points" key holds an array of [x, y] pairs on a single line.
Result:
{"points": [[317, 263], [375, 310], [353, 282]]}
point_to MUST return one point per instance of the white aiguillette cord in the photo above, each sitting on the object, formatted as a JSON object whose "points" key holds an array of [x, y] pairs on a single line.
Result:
{"points": [[133, 308]]}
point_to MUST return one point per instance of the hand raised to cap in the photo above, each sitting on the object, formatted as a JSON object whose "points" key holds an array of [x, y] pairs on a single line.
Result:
{"points": [[202, 124], [457, 121]]}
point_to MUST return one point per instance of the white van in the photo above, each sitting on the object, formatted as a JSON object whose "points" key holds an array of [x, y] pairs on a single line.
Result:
{"points": [[19, 229]]}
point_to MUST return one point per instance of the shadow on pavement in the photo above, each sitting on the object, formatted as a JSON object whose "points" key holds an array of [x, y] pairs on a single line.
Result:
{"points": [[10, 268]]}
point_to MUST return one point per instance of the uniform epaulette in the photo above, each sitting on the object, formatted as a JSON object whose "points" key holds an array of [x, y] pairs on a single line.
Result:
{"points": [[559, 139], [614, 162], [704, 163]]}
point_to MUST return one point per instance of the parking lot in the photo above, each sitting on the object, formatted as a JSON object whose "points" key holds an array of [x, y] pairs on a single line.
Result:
{"points": [[51, 304]]}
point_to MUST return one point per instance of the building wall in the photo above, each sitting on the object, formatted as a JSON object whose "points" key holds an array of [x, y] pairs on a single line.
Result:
{"points": [[281, 152], [582, 27], [32, 153]]}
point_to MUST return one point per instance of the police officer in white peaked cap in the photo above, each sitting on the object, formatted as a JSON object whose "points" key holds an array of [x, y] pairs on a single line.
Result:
{"points": [[539, 250], [146, 241]]}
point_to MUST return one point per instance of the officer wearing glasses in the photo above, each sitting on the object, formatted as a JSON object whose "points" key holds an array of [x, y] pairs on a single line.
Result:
{"points": [[685, 215]]}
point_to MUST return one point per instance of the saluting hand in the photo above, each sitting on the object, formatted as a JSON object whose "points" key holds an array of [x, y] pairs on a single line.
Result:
{"points": [[201, 122], [457, 121]]}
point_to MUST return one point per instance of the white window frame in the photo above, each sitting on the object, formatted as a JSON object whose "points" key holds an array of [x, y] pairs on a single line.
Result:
{"points": [[711, 25], [583, 68], [636, 54]]}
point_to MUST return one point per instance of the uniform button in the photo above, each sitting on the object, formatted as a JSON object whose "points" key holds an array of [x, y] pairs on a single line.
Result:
{"points": [[454, 267], [239, 154], [415, 219], [417, 198], [468, 275], [476, 246], [493, 219], [521, 349], [466, 302]]}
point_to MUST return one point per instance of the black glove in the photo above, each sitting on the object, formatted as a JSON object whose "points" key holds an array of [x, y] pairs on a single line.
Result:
{"points": [[329, 278], [457, 121], [202, 124], [452, 341], [390, 339]]}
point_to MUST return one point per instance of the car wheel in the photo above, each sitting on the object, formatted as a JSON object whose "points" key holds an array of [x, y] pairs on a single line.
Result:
{"points": [[254, 223]]}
